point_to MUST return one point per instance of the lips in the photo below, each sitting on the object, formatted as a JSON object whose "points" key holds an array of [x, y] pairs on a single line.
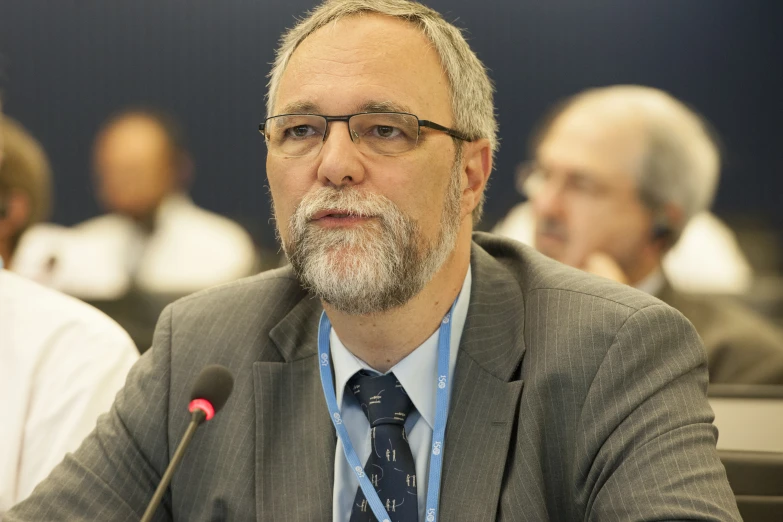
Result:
{"points": [[335, 213]]}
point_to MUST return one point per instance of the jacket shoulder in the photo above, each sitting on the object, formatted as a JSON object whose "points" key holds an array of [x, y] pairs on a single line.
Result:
{"points": [[245, 307], [743, 346], [537, 273]]}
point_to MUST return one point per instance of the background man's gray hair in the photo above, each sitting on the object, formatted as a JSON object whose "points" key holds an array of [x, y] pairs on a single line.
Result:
{"points": [[471, 88], [682, 162]]}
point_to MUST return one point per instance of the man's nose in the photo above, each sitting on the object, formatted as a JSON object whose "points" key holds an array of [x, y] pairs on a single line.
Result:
{"points": [[340, 160]]}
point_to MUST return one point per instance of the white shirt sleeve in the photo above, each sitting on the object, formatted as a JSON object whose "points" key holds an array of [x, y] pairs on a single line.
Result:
{"points": [[80, 371], [61, 364]]}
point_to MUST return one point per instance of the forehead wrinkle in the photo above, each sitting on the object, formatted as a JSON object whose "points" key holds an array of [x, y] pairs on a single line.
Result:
{"points": [[317, 69], [339, 56]]}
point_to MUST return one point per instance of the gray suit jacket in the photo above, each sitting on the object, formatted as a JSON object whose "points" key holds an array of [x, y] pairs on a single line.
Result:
{"points": [[742, 347], [574, 399]]}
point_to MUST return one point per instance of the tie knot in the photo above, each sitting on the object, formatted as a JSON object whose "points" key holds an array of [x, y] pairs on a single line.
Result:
{"points": [[382, 397]]}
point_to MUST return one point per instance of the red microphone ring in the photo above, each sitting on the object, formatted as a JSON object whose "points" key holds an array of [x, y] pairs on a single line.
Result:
{"points": [[203, 405]]}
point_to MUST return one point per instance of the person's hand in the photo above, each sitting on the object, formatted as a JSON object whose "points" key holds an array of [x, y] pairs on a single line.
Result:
{"points": [[603, 265]]}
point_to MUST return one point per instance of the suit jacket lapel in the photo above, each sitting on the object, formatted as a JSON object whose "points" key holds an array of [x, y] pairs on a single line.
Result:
{"points": [[294, 453], [485, 396]]}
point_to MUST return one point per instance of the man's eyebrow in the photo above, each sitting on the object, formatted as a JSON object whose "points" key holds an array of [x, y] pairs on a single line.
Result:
{"points": [[300, 107], [306, 107], [384, 106]]}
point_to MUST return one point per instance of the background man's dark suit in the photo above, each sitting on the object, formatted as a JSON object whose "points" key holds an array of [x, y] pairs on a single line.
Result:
{"points": [[742, 348], [574, 399]]}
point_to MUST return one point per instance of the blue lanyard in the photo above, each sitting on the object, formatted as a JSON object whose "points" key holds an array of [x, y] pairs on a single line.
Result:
{"points": [[438, 434]]}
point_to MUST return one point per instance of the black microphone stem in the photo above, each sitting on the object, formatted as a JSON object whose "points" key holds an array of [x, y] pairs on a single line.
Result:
{"points": [[197, 418]]}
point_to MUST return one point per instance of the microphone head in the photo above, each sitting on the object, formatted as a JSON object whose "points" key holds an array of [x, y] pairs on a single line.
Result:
{"points": [[214, 385]]}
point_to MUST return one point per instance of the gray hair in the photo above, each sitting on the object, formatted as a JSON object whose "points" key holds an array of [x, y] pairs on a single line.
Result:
{"points": [[682, 162], [471, 89]]}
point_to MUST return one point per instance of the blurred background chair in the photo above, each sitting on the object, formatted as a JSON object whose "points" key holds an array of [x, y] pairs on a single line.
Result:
{"points": [[750, 445]]}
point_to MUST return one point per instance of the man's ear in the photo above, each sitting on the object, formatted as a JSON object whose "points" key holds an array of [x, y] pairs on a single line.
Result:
{"points": [[476, 167], [667, 225], [15, 215]]}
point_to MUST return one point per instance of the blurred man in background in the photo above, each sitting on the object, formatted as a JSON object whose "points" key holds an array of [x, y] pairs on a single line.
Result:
{"points": [[154, 245], [153, 237], [61, 361], [25, 186], [618, 174]]}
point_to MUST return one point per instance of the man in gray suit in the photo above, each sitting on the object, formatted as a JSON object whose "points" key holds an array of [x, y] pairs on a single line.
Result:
{"points": [[618, 173], [569, 397]]}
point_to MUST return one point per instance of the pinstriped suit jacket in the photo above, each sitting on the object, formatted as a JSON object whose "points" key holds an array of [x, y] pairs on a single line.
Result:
{"points": [[574, 399]]}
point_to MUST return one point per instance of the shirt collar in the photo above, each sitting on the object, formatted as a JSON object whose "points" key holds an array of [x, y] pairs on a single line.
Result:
{"points": [[417, 371]]}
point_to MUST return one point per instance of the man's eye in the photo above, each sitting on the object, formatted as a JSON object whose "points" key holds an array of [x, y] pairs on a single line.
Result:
{"points": [[584, 185], [299, 131], [385, 131]]}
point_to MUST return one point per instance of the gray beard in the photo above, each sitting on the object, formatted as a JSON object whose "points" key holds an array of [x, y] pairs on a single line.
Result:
{"points": [[375, 267]]}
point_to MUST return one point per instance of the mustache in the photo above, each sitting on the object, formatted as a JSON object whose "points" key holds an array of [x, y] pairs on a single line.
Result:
{"points": [[346, 200]]}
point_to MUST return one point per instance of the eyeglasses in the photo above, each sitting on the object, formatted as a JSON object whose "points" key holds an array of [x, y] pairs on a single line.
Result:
{"points": [[533, 178], [384, 133]]}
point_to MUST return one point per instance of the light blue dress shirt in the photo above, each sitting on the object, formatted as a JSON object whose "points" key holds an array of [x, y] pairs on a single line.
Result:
{"points": [[417, 374]]}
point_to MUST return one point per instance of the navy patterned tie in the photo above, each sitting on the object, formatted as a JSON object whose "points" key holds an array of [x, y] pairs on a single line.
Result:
{"points": [[390, 467]]}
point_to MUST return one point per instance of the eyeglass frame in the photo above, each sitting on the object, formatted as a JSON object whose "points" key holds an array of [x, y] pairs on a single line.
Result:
{"points": [[527, 170], [347, 119]]}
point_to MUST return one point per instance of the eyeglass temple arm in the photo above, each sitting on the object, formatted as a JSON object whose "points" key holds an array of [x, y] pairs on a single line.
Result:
{"points": [[450, 132]]}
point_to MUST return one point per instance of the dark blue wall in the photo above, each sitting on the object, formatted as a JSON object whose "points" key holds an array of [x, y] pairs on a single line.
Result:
{"points": [[66, 64]]}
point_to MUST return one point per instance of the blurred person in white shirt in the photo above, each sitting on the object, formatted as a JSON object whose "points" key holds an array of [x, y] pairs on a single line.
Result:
{"points": [[153, 239], [61, 361]]}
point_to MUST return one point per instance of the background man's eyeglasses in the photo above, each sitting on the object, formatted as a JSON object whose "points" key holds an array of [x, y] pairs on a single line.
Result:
{"points": [[384, 133], [533, 178]]}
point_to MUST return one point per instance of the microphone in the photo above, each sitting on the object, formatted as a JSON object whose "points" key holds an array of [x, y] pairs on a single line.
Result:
{"points": [[209, 394]]}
